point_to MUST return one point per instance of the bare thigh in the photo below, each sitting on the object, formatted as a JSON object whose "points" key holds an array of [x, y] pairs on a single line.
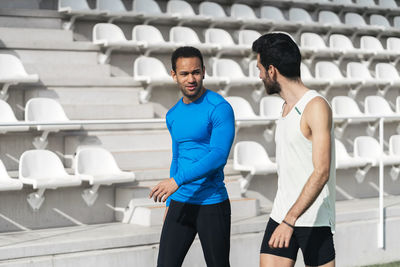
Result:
{"points": [[165, 213], [269, 260]]}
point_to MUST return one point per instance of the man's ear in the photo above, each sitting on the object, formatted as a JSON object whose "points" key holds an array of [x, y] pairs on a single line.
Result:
{"points": [[173, 74], [272, 72], [204, 72]]}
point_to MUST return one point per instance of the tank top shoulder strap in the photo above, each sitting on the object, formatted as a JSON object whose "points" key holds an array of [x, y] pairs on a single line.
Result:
{"points": [[300, 106]]}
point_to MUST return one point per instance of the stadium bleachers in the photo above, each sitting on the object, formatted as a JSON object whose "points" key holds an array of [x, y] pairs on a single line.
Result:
{"points": [[109, 60]]}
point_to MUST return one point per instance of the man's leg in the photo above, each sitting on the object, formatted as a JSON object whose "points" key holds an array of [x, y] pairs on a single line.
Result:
{"points": [[277, 257], [214, 228], [176, 237]]}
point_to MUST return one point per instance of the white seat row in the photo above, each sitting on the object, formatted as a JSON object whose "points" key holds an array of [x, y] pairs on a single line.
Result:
{"points": [[147, 39], [12, 72], [43, 170]]}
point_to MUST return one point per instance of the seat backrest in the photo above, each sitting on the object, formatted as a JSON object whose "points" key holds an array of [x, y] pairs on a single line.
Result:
{"points": [[326, 69], [386, 71], [10, 65], [394, 145], [247, 37], [180, 7], [44, 109], [340, 150], [112, 6], [340, 41], [146, 7], [250, 153], [272, 13], [368, 3], [186, 35], [147, 33], [242, 11], [299, 15], [218, 36], [370, 43], [271, 105], [227, 68], [358, 70], [345, 106], [366, 146], [354, 19], [343, 2], [6, 113], [393, 44], [253, 70], [379, 20], [328, 17], [240, 106], [211, 9], [149, 67], [3, 172], [40, 164], [74, 4], [377, 105], [387, 4], [398, 104], [95, 160], [312, 40], [108, 32], [396, 22], [305, 72]]}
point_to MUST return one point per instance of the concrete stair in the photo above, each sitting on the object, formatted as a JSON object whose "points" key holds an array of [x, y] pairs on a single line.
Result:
{"points": [[28, 18]]}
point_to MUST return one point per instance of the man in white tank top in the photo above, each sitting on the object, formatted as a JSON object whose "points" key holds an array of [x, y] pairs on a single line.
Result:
{"points": [[303, 214]]}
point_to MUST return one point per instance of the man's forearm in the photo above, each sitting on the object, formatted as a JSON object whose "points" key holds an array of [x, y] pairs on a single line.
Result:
{"points": [[308, 195]]}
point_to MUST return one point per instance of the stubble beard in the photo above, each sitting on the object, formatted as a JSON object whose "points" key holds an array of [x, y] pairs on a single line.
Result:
{"points": [[272, 87], [194, 95]]}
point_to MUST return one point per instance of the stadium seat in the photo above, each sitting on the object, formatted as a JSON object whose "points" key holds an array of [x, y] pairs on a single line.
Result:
{"points": [[185, 13], [331, 19], [346, 161], [230, 71], [97, 166], [276, 16], [387, 72], [371, 43], [43, 170], [152, 40], [394, 150], [7, 116], [6, 182], [188, 36], [225, 43], [150, 72], [12, 72], [378, 106], [46, 110], [388, 4], [150, 11], [110, 37], [357, 21], [369, 148], [345, 111], [249, 156], [247, 37], [393, 44], [270, 108], [76, 9], [398, 104], [345, 45], [299, 15], [246, 15], [117, 10], [345, 3], [382, 21], [217, 14], [312, 45], [329, 71], [309, 80]]}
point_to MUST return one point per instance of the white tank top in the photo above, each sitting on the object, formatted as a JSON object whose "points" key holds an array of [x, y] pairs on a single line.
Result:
{"points": [[294, 160]]}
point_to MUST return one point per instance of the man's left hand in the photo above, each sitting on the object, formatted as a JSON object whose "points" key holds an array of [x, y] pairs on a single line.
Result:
{"points": [[163, 190], [281, 236]]}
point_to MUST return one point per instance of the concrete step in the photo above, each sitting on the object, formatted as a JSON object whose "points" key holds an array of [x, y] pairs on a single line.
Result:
{"points": [[43, 57], [89, 82], [29, 18], [68, 71], [32, 36]]}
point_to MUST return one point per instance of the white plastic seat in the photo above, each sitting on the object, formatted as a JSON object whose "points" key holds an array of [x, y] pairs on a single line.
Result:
{"points": [[12, 72], [398, 105], [97, 166], [217, 14], [394, 145], [357, 21], [387, 72], [299, 15], [249, 156], [75, 9], [150, 72], [312, 45], [345, 45], [152, 40], [393, 44], [331, 19], [247, 37], [110, 37], [7, 116], [378, 106], [389, 4], [371, 43], [357, 70], [116, 9], [246, 15], [6, 182], [276, 16], [230, 71], [379, 20], [150, 11], [223, 40], [185, 13], [366, 3], [309, 80], [244, 113], [271, 106], [43, 170], [187, 36]]}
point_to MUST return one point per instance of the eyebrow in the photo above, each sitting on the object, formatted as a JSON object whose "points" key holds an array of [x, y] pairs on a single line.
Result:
{"points": [[184, 72]]}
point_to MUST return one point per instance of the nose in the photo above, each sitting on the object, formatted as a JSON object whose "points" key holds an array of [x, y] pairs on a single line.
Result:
{"points": [[191, 78]]}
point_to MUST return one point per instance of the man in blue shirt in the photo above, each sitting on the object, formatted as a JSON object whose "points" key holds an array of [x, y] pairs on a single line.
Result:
{"points": [[202, 128]]}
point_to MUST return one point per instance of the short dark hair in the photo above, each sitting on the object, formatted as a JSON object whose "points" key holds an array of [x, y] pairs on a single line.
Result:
{"points": [[279, 50], [185, 51]]}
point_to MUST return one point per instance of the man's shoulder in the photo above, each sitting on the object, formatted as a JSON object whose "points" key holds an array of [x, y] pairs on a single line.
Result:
{"points": [[171, 110], [214, 98]]}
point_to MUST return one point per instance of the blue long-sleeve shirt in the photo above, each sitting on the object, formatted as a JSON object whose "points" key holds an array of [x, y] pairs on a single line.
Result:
{"points": [[202, 133]]}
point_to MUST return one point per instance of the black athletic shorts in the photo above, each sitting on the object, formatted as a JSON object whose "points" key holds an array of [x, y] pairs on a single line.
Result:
{"points": [[316, 243], [183, 221]]}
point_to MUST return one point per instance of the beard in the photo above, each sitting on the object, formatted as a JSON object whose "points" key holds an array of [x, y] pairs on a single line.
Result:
{"points": [[272, 87], [193, 93]]}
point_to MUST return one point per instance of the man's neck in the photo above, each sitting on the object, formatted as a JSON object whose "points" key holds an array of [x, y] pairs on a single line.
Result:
{"points": [[188, 100], [292, 91]]}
